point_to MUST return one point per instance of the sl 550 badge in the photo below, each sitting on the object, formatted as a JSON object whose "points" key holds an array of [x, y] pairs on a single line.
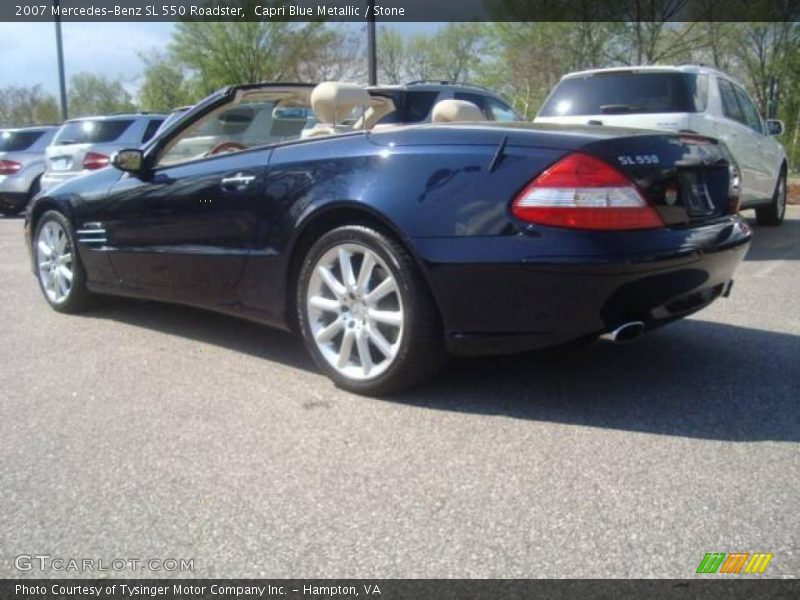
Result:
{"points": [[638, 159]]}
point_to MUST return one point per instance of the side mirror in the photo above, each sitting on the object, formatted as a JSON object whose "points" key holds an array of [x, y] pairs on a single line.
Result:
{"points": [[774, 127], [130, 160]]}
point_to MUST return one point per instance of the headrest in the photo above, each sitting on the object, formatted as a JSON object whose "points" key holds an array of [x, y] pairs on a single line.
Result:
{"points": [[449, 111], [332, 101]]}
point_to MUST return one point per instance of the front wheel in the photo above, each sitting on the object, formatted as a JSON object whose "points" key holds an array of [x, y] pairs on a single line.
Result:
{"points": [[58, 267], [773, 213], [366, 314]]}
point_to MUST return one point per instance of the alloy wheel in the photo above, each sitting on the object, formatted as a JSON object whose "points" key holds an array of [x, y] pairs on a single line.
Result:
{"points": [[55, 262], [355, 311]]}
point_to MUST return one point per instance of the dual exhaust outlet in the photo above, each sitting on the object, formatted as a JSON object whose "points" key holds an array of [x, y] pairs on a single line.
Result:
{"points": [[625, 333]]}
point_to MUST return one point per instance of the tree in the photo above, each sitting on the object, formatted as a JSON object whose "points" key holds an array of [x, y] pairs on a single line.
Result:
{"points": [[391, 55], [226, 53], [764, 51], [528, 59], [336, 54], [23, 106], [164, 84], [420, 57], [97, 95], [456, 50]]}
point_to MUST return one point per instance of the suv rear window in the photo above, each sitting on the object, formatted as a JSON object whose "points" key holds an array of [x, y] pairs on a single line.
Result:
{"points": [[410, 107], [153, 126], [17, 141], [91, 131], [628, 93]]}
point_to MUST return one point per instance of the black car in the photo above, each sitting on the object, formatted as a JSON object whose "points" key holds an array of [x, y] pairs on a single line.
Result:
{"points": [[390, 248]]}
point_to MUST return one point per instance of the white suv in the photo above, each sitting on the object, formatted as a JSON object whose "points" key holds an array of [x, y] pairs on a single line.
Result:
{"points": [[689, 99]]}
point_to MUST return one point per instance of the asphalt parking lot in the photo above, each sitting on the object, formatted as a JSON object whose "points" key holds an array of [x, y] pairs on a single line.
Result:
{"points": [[141, 430]]}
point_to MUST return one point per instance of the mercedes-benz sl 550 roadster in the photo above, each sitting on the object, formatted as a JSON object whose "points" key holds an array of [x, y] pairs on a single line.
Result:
{"points": [[390, 246]]}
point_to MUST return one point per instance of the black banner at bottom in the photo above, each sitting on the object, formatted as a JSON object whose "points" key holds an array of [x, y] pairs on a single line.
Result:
{"points": [[395, 589]]}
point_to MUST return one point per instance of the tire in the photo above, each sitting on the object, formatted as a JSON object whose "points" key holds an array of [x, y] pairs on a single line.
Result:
{"points": [[387, 312], [773, 213], [64, 294]]}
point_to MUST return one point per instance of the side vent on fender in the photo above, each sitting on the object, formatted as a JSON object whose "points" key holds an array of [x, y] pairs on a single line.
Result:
{"points": [[92, 233]]}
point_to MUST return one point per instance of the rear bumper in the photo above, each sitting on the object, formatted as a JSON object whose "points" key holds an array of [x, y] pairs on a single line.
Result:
{"points": [[13, 201], [521, 292]]}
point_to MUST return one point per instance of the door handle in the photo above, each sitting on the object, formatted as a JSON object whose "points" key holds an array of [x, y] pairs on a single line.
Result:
{"points": [[237, 182]]}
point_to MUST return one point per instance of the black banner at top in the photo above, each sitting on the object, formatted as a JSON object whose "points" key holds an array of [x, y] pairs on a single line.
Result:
{"points": [[401, 10]]}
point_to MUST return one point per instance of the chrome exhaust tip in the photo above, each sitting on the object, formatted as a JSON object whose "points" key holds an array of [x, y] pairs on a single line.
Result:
{"points": [[625, 333]]}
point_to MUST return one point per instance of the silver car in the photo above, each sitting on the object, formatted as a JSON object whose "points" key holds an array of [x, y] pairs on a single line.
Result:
{"points": [[86, 144], [22, 163]]}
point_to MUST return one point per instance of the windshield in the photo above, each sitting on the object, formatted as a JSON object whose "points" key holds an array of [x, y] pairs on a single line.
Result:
{"points": [[627, 92], [91, 131], [244, 125], [16, 141]]}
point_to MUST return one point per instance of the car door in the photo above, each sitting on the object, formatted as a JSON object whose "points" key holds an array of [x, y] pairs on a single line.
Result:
{"points": [[764, 148], [733, 130], [184, 232]]}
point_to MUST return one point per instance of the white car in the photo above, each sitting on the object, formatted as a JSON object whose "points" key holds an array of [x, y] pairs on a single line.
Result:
{"points": [[689, 99]]}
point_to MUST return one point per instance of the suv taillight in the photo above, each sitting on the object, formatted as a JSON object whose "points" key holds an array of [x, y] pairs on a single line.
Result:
{"points": [[95, 160], [9, 167], [582, 192]]}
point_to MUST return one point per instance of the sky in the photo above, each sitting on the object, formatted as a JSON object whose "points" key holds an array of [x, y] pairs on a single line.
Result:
{"points": [[110, 49]]}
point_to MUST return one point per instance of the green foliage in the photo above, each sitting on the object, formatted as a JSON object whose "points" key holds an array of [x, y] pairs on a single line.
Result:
{"points": [[391, 48], [164, 85], [224, 53], [97, 95], [22, 106]]}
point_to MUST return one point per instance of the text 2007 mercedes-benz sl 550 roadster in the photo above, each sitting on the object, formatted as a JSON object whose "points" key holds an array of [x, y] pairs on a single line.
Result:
{"points": [[389, 246]]}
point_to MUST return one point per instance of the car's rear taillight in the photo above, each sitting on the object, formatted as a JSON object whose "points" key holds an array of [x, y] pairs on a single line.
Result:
{"points": [[95, 160], [9, 167], [582, 192]]}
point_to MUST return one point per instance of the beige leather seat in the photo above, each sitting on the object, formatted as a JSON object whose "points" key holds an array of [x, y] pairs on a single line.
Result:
{"points": [[452, 111], [333, 101]]}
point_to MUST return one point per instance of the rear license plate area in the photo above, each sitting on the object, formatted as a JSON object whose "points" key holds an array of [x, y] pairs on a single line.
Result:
{"points": [[61, 163], [694, 193]]}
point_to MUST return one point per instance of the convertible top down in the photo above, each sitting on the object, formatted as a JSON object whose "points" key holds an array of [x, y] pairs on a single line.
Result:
{"points": [[389, 247]]}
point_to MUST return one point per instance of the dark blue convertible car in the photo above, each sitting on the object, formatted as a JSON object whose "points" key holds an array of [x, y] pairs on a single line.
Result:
{"points": [[390, 246]]}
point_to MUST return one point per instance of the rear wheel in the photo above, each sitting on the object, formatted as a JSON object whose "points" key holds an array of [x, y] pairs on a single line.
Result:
{"points": [[60, 273], [773, 213], [366, 314]]}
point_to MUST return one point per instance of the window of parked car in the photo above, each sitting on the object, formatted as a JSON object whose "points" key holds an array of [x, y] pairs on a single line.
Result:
{"points": [[730, 105], [500, 111], [410, 106], [628, 92], [17, 141], [751, 117], [235, 128], [91, 131], [152, 126]]}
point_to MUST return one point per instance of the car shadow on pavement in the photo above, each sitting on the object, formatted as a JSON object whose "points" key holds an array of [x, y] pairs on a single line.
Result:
{"points": [[693, 378], [775, 243], [207, 327]]}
